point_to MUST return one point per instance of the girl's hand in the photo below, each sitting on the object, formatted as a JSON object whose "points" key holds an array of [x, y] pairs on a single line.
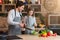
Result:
{"points": [[35, 25]]}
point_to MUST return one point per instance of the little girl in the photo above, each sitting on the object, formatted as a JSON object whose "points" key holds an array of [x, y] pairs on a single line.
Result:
{"points": [[30, 21]]}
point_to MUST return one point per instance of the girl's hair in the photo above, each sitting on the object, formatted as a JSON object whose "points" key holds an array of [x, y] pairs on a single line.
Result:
{"points": [[30, 9]]}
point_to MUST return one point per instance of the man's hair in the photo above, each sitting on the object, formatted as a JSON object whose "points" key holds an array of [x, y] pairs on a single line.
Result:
{"points": [[19, 3]]}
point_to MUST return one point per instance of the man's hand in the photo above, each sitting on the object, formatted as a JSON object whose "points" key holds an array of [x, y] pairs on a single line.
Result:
{"points": [[22, 25]]}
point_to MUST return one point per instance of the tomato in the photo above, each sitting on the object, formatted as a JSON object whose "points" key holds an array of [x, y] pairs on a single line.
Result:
{"points": [[48, 33]]}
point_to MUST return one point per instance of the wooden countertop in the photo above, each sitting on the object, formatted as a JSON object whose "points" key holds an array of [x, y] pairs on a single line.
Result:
{"points": [[34, 37]]}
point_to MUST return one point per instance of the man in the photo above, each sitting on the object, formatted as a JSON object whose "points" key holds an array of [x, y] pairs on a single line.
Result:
{"points": [[15, 19]]}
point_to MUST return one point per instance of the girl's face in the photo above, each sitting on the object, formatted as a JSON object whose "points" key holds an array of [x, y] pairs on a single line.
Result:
{"points": [[31, 13]]}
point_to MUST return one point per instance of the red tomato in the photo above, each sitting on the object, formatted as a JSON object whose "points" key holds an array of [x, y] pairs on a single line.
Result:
{"points": [[55, 34], [48, 33]]}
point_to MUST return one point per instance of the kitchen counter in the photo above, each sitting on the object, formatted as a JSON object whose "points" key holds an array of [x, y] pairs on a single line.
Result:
{"points": [[34, 37]]}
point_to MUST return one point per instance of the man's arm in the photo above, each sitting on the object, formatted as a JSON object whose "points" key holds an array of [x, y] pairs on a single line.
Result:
{"points": [[11, 16]]}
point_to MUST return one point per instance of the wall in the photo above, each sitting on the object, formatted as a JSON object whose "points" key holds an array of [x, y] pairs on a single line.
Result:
{"points": [[56, 7], [57, 10]]}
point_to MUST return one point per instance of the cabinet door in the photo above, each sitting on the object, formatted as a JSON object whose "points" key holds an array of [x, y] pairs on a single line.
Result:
{"points": [[0, 8], [58, 19], [8, 7], [53, 20], [37, 8]]}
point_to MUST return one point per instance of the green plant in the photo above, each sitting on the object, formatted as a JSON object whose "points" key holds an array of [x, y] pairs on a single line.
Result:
{"points": [[41, 17]]}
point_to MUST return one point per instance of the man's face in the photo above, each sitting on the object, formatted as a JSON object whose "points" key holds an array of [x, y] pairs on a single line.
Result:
{"points": [[21, 8]]}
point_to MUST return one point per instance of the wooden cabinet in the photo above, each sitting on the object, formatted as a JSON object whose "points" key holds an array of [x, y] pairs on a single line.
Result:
{"points": [[11, 4], [0, 8], [4, 8], [7, 5]]}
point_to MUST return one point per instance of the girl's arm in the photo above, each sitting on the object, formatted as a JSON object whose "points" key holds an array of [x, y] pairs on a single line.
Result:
{"points": [[35, 24]]}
